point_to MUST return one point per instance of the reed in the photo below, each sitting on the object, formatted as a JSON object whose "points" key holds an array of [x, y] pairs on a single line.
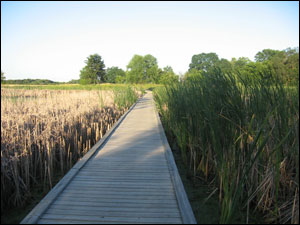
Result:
{"points": [[45, 132], [241, 134]]}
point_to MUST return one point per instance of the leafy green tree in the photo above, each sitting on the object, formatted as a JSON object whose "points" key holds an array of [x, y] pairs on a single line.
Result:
{"points": [[292, 67], [192, 74], [2, 77], [224, 65], [150, 73], [167, 76], [135, 69], [265, 55], [284, 64], [142, 69], [239, 63], [94, 71], [113, 73], [204, 61]]}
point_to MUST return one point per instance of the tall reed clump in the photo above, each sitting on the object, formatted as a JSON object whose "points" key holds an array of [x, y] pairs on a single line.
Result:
{"points": [[125, 97], [242, 134], [43, 133]]}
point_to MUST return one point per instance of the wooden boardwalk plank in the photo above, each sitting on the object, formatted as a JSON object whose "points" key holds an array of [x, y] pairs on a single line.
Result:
{"points": [[127, 177], [114, 209], [113, 219], [113, 214]]}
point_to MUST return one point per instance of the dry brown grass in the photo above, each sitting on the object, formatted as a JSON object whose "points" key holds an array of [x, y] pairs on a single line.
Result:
{"points": [[43, 133]]}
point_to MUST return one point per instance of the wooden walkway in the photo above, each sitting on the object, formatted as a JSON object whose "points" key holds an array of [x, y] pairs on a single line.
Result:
{"points": [[129, 176]]}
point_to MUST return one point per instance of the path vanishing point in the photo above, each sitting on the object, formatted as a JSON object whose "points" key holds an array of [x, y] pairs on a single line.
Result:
{"points": [[129, 176]]}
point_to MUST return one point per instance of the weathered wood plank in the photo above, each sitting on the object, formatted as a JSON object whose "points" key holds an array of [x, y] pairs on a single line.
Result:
{"points": [[112, 219], [116, 170], [60, 221], [127, 184], [84, 188], [118, 204], [120, 177], [113, 214], [133, 180], [121, 195], [114, 195], [95, 199], [114, 209], [110, 186], [64, 221]]}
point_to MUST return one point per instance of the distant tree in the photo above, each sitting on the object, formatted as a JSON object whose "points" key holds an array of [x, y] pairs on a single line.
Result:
{"points": [[292, 66], [224, 65], [31, 81], [284, 64], [240, 62], [135, 69], [167, 76], [142, 69], [74, 81], [115, 75], [94, 71], [2, 77], [204, 61], [150, 74], [192, 73], [265, 55]]}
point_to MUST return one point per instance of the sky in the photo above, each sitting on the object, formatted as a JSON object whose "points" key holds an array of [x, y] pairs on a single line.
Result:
{"points": [[52, 40]]}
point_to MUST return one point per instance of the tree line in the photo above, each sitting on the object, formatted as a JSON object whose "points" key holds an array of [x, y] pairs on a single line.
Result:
{"points": [[268, 63], [144, 69], [283, 64], [140, 69]]}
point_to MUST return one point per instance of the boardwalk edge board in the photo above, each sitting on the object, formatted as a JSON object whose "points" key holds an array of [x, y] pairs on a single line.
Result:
{"points": [[183, 202], [44, 204]]}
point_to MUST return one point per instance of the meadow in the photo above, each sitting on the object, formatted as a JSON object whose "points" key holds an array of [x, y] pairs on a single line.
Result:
{"points": [[241, 136], [46, 130]]}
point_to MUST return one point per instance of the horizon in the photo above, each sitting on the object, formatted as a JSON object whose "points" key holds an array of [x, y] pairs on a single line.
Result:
{"points": [[51, 40]]}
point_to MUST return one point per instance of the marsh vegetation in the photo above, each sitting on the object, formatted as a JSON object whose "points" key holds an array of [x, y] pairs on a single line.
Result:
{"points": [[240, 133]]}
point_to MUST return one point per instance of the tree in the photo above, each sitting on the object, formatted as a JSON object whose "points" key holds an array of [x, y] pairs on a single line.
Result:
{"points": [[204, 61], [142, 69], [240, 63], [74, 81], [284, 64], [93, 72], [151, 69], [265, 55], [2, 77], [193, 74], [224, 65], [114, 74], [135, 69], [292, 67], [167, 76]]}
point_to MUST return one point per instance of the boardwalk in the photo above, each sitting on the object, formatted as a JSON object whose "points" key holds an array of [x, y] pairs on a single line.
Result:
{"points": [[128, 177]]}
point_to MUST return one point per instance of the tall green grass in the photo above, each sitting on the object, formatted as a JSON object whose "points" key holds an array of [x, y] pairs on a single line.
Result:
{"points": [[125, 97], [241, 134]]}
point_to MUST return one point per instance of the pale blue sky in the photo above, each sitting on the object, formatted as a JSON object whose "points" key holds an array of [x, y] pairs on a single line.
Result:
{"points": [[51, 40]]}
